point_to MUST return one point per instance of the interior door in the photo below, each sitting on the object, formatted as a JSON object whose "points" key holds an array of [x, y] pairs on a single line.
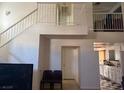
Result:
{"points": [[67, 63]]}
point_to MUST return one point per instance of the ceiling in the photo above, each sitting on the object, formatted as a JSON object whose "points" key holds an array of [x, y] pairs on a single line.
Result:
{"points": [[104, 6], [101, 44]]}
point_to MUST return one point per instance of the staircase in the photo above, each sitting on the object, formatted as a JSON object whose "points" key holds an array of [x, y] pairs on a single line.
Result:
{"points": [[13, 31], [44, 13]]}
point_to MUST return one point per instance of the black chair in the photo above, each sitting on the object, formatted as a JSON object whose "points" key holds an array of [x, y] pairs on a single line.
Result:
{"points": [[51, 77], [57, 77], [46, 79], [122, 83]]}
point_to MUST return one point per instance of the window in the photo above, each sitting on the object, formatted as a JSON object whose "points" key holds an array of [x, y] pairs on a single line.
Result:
{"points": [[64, 14], [111, 55]]}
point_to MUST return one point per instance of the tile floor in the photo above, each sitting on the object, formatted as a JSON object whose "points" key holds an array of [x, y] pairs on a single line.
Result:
{"points": [[104, 85], [67, 85], [70, 85], [109, 85]]}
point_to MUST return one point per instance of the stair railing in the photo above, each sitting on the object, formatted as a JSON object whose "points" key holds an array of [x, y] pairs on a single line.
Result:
{"points": [[44, 13], [17, 28]]}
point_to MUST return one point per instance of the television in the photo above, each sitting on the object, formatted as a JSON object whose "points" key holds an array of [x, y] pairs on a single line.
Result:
{"points": [[16, 76]]}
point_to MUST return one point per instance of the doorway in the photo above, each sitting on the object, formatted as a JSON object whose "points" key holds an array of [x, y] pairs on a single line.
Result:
{"points": [[109, 65], [70, 63]]}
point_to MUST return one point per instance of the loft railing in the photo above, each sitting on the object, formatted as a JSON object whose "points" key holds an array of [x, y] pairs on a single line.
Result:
{"points": [[55, 14], [108, 22], [45, 13]]}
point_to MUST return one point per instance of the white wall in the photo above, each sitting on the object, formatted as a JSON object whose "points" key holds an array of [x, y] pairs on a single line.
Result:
{"points": [[76, 64], [122, 62], [4, 51], [24, 49], [122, 58], [115, 37], [18, 11], [89, 16], [88, 62], [48, 20], [117, 51], [44, 55]]}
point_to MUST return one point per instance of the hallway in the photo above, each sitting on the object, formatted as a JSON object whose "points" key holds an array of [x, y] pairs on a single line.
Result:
{"points": [[70, 85]]}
